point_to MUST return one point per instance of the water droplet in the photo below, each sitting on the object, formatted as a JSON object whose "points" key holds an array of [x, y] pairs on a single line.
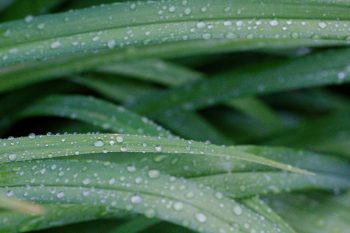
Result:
{"points": [[131, 168], [178, 206], [86, 181], [230, 35], [153, 173], [341, 75], [273, 23], [60, 195], [158, 148], [219, 195], [206, 36], [55, 45], [29, 19], [99, 143], [10, 193], [136, 199], [138, 180], [239, 23], [201, 217], [322, 25], [119, 139], [188, 11], [295, 35], [111, 181], [111, 43], [41, 26], [172, 9], [12, 157], [237, 210], [227, 23], [111, 142], [200, 25], [133, 6]]}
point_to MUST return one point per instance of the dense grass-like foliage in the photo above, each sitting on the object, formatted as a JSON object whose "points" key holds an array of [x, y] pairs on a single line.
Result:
{"points": [[211, 116]]}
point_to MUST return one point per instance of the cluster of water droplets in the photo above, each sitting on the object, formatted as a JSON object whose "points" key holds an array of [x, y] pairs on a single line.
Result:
{"points": [[99, 113], [138, 190], [78, 144], [167, 22]]}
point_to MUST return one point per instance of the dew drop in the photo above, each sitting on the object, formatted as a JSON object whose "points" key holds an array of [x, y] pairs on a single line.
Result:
{"points": [[206, 36], [86, 181], [153, 173], [219, 195], [98, 143], [41, 26], [29, 19], [188, 11], [111, 142], [111, 181], [10, 193], [273, 23], [230, 35], [158, 148], [111, 43], [131, 168], [200, 25], [136, 199], [227, 23], [201, 217], [12, 157], [295, 35], [322, 25], [341, 75], [172, 9], [55, 45], [119, 139], [237, 210], [178, 206], [133, 6], [60, 195]]}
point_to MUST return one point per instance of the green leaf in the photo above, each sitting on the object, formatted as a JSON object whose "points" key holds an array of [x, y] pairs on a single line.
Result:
{"points": [[137, 191], [45, 70], [261, 207], [146, 23], [97, 112], [114, 88], [32, 147], [153, 70], [310, 71], [258, 110], [251, 183], [170, 74]]}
